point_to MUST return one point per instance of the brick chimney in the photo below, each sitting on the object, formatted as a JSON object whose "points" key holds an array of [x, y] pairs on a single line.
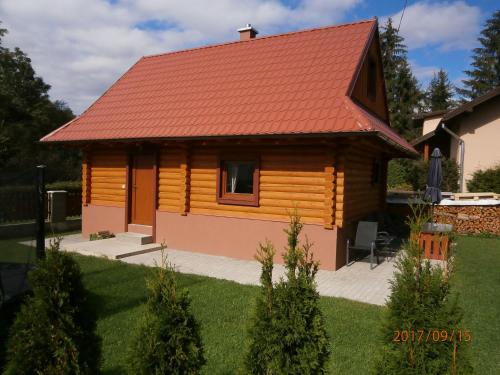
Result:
{"points": [[247, 32]]}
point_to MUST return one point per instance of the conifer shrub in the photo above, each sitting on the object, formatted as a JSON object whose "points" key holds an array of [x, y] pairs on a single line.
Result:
{"points": [[422, 331], [54, 332], [168, 339], [287, 333]]}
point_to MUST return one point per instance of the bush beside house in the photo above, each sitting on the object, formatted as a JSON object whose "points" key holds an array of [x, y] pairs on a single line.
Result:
{"points": [[406, 174], [487, 180], [287, 334], [54, 332]]}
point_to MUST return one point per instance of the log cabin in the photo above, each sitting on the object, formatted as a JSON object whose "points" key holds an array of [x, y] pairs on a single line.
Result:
{"points": [[210, 149]]}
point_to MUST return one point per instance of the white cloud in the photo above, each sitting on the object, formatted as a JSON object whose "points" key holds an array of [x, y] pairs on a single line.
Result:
{"points": [[81, 47], [446, 25], [423, 73]]}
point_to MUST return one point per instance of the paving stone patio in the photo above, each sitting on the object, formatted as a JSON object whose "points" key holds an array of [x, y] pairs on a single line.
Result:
{"points": [[355, 282]]}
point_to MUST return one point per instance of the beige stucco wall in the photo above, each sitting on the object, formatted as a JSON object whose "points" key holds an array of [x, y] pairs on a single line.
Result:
{"points": [[480, 131], [430, 124]]}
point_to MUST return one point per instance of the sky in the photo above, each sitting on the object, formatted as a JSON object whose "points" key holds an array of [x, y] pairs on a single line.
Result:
{"points": [[80, 47]]}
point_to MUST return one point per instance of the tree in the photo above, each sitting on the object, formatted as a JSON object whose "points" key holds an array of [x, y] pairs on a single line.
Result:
{"points": [[287, 334], [168, 340], [54, 332], [27, 114], [422, 330], [439, 94], [403, 92], [485, 73]]}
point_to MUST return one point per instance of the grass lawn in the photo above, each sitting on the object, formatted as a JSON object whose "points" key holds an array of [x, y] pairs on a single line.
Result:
{"points": [[11, 251], [478, 282], [223, 308]]}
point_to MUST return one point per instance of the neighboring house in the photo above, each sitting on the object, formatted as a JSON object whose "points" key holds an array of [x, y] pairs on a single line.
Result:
{"points": [[469, 134], [210, 149]]}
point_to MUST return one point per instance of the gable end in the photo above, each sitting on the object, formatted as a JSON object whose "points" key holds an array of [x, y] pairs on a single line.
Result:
{"points": [[369, 85]]}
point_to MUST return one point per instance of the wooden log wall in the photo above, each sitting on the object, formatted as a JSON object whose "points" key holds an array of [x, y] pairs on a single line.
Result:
{"points": [[339, 188], [108, 170], [171, 183], [329, 184], [362, 196], [86, 182], [288, 179]]}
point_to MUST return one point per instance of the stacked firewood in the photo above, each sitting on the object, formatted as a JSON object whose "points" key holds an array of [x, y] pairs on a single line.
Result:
{"points": [[470, 219]]}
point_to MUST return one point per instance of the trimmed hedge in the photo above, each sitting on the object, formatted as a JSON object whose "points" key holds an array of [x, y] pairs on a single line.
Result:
{"points": [[487, 180]]}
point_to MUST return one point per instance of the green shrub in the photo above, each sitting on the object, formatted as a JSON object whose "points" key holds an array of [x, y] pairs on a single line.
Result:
{"points": [[422, 330], [404, 173], [54, 332], [397, 174], [487, 180], [287, 333], [168, 340]]}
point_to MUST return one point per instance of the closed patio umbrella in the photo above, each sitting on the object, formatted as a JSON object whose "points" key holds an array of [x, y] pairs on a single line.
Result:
{"points": [[434, 178]]}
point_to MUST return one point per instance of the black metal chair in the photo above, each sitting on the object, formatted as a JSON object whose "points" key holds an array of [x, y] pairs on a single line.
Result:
{"points": [[368, 239]]}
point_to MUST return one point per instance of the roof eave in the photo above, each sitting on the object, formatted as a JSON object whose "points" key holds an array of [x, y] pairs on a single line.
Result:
{"points": [[378, 134]]}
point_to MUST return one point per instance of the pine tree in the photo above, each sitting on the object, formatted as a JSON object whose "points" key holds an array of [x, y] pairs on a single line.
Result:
{"points": [[403, 92], [168, 339], [439, 94], [54, 332], [422, 329], [288, 334], [485, 73]]}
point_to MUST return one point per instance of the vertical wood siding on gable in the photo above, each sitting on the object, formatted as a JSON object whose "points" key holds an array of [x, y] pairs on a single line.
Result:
{"points": [[108, 169], [359, 93]]}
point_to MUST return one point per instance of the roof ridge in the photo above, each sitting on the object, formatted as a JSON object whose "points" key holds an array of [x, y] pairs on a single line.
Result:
{"points": [[262, 38]]}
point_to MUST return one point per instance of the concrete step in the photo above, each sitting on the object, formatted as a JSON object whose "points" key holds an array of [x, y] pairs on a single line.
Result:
{"points": [[134, 238], [111, 248]]}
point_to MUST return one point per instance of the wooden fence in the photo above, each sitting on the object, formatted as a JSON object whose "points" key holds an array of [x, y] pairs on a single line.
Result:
{"points": [[19, 206]]}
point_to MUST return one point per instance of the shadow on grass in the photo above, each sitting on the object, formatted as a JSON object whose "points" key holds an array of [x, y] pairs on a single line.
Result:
{"points": [[107, 306]]}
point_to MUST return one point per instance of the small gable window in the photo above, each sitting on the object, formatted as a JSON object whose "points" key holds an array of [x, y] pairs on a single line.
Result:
{"points": [[238, 181], [371, 89]]}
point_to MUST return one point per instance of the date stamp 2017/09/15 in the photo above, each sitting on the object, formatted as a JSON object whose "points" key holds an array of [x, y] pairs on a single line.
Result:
{"points": [[431, 335]]}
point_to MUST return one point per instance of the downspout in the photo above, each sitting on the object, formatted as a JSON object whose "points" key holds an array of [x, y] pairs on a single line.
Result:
{"points": [[462, 152]]}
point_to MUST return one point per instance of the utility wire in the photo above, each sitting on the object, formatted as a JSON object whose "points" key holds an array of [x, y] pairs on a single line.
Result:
{"points": [[402, 14]]}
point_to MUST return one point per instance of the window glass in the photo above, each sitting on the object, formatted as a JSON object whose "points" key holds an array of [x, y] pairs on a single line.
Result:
{"points": [[239, 177]]}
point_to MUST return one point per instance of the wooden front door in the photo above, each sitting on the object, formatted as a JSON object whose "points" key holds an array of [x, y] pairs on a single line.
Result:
{"points": [[142, 189]]}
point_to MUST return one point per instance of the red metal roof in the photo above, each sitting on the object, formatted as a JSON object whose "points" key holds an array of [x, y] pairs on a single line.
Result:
{"points": [[295, 83]]}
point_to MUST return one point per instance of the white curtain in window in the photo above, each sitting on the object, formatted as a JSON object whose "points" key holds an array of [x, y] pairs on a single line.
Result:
{"points": [[234, 177]]}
